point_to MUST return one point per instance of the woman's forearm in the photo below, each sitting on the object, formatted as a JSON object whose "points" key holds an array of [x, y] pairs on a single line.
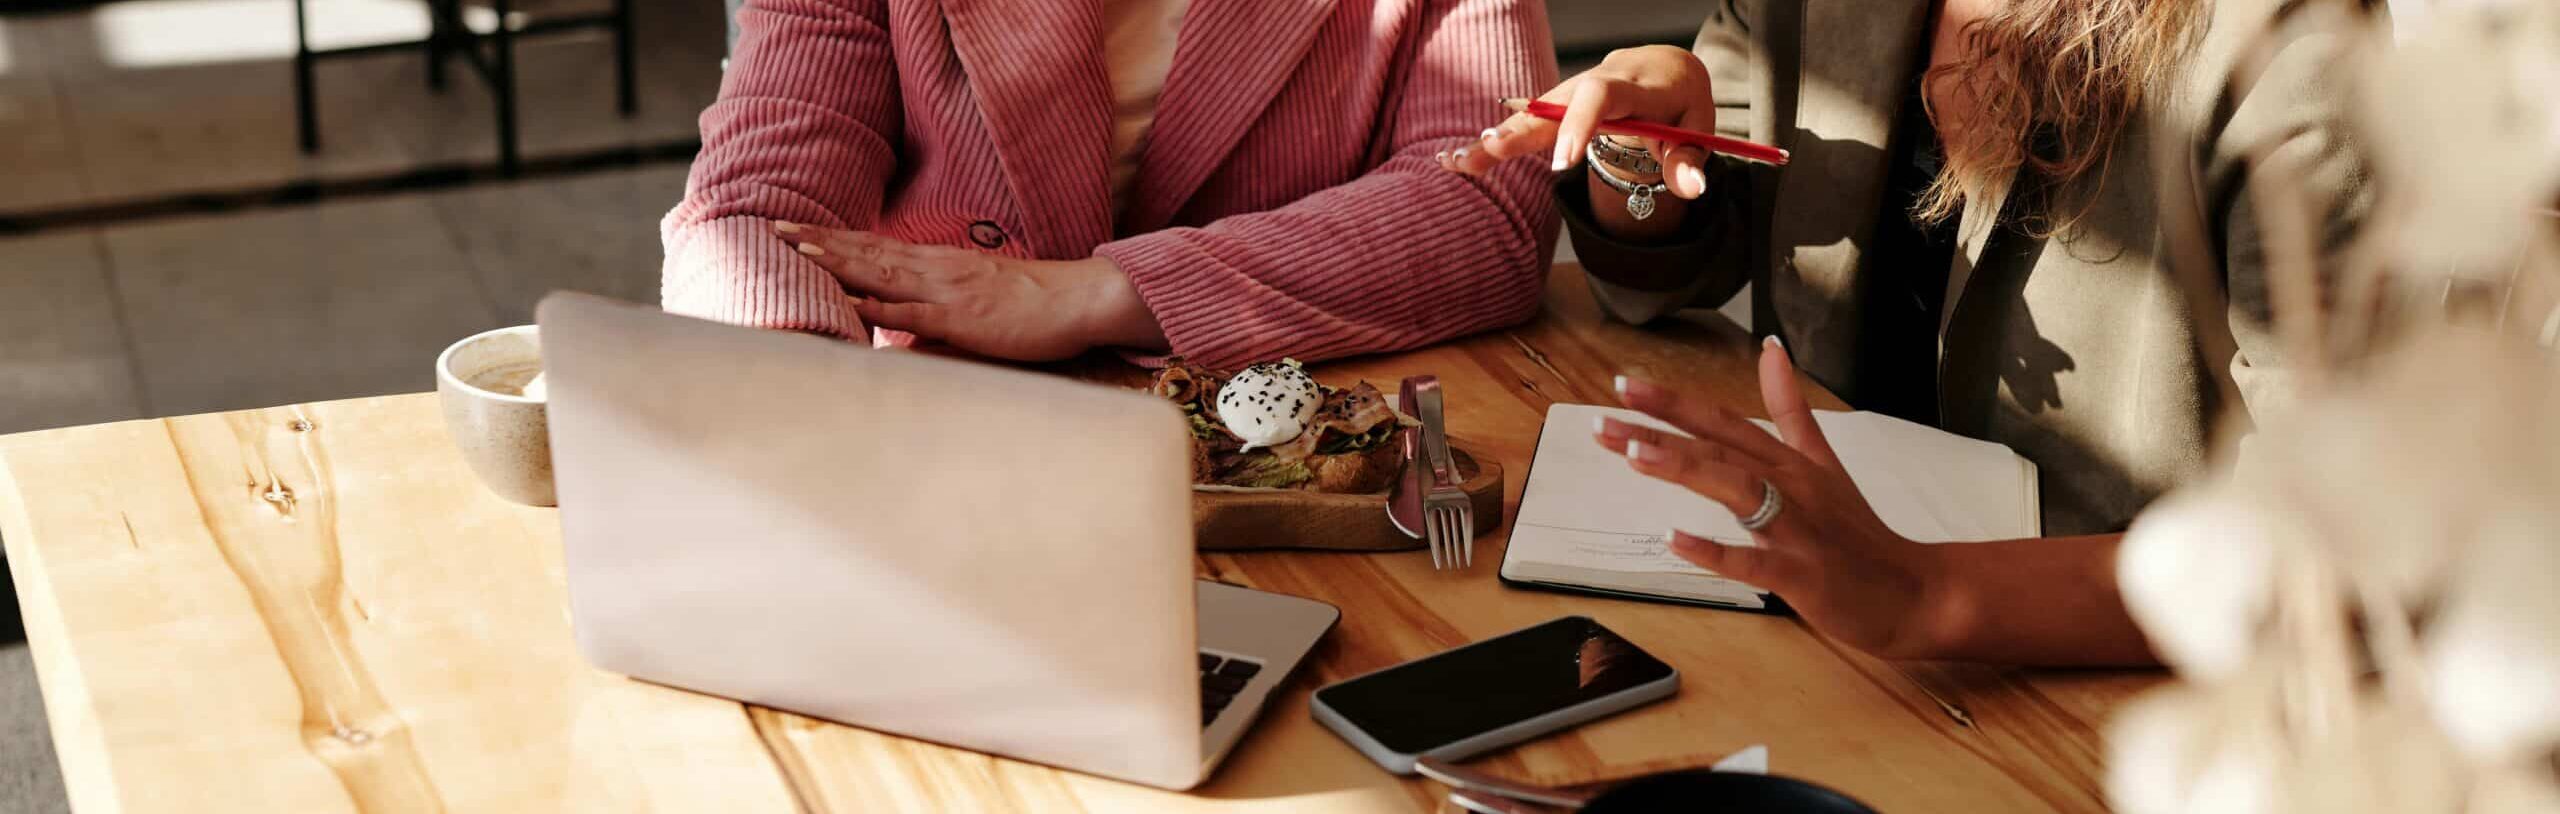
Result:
{"points": [[784, 143], [2049, 601]]}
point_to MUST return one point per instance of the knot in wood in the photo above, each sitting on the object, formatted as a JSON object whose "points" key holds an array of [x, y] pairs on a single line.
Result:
{"points": [[280, 496]]}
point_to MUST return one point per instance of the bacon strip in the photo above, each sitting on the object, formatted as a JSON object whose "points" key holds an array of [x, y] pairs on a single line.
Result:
{"points": [[1354, 411], [1348, 412], [1177, 383]]}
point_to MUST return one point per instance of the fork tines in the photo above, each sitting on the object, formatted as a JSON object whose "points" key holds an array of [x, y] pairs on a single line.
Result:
{"points": [[1449, 524]]}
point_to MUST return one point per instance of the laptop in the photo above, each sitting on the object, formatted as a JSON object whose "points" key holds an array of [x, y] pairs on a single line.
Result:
{"points": [[982, 557]]}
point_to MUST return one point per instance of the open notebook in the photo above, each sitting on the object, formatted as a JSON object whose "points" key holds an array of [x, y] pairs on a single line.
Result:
{"points": [[1587, 522]]}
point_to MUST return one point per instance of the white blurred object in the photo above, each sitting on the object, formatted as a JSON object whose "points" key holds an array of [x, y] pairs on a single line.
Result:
{"points": [[2374, 628], [2195, 572], [2493, 656], [2169, 754], [2464, 106], [1753, 759], [2364, 609]]}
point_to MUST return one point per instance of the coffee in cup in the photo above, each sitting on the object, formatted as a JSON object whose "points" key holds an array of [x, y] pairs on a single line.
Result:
{"points": [[493, 396]]}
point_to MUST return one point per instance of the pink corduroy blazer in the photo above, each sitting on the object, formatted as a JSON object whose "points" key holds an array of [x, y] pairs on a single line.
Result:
{"points": [[1286, 201]]}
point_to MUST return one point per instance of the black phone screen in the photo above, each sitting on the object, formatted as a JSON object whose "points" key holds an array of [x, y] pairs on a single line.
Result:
{"points": [[1441, 699]]}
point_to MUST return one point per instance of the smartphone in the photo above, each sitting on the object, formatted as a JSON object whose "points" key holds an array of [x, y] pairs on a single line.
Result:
{"points": [[1494, 693]]}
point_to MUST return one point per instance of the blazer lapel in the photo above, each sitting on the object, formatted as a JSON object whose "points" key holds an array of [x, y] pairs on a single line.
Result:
{"points": [[1975, 230], [1230, 60], [1047, 104], [1838, 74]]}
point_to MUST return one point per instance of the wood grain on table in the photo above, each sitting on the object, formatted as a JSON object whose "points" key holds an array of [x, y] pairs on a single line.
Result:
{"points": [[316, 608]]}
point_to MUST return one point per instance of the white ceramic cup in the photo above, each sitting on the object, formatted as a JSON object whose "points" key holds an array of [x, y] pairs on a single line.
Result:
{"points": [[502, 432]]}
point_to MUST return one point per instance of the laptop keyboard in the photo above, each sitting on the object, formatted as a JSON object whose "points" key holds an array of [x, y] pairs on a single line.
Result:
{"points": [[1220, 680]]}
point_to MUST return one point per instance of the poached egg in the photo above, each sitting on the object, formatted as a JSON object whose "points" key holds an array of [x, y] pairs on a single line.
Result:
{"points": [[1269, 404]]}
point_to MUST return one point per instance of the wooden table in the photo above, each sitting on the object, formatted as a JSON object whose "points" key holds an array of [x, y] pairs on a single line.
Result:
{"points": [[316, 608]]}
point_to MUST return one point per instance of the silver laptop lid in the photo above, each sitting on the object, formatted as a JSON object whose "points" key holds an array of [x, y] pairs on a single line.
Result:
{"points": [[988, 558]]}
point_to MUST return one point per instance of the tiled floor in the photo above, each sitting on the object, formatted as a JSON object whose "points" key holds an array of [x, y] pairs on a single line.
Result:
{"points": [[30, 778], [63, 357], [140, 100], [302, 303], [145, 99]]}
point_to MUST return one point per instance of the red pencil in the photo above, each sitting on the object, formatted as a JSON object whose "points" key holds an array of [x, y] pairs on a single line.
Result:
{"points": [[1735, 147]]}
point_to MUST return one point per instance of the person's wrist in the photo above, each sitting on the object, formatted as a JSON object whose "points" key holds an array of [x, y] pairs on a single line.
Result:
{"points": [[1944, 610], [1609, 208], [1619, 172], [1114, 314]]}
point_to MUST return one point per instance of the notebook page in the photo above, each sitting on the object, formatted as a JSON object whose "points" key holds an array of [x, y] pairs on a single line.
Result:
{"points": [[1932, 485], [1585, 507]]}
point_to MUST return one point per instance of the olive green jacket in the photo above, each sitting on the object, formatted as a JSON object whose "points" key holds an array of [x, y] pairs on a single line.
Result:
{"points": [[2080, 351]]}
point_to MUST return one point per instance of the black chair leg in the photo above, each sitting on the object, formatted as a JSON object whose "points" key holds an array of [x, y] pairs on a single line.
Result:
{"points": [[304, 108], [625, 83], [505, 63], [437, 32]]}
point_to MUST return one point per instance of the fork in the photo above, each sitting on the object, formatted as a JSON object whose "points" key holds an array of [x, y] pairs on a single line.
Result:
{"points": [[1449, 522]]}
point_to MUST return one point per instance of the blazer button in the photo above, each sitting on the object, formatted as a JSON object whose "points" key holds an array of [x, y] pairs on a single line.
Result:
{"points": [[986, 234]]}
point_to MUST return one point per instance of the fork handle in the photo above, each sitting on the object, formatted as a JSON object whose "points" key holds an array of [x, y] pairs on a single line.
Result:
{"points": [[1429, 407]]}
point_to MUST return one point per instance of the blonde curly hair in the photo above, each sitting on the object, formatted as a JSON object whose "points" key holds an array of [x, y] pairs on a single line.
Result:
{"points": [[2052, 84]]}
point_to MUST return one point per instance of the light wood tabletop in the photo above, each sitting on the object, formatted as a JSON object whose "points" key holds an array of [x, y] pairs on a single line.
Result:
{"points": [[317, 608]]}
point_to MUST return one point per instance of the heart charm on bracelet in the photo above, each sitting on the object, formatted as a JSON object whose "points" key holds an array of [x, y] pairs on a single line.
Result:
{"points": [[1639, 196]]}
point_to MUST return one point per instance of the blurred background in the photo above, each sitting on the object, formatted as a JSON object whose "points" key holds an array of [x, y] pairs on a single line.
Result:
{"points": [[168, 246]]}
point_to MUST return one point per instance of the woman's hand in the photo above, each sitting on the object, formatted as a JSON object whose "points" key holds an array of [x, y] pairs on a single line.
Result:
{"points": [[1658, 83], [1826, 552], [988, 304]]}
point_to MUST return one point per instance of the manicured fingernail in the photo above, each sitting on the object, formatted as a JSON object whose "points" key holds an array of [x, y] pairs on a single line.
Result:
{"points": [[1646, 453], [1774, 342], [1441, 156], [811, 249], [1631, 388], [1460, 155], [1693, 178], [1489, 134], [1600, 425], [1560, 163], [785, 227]]}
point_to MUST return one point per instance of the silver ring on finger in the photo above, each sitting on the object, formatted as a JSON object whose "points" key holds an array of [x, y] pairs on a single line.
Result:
{"points": [[1770, 505]]}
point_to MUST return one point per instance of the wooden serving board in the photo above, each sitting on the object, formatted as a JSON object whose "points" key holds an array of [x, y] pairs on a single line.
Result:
{"points": [[1287, 519]]}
